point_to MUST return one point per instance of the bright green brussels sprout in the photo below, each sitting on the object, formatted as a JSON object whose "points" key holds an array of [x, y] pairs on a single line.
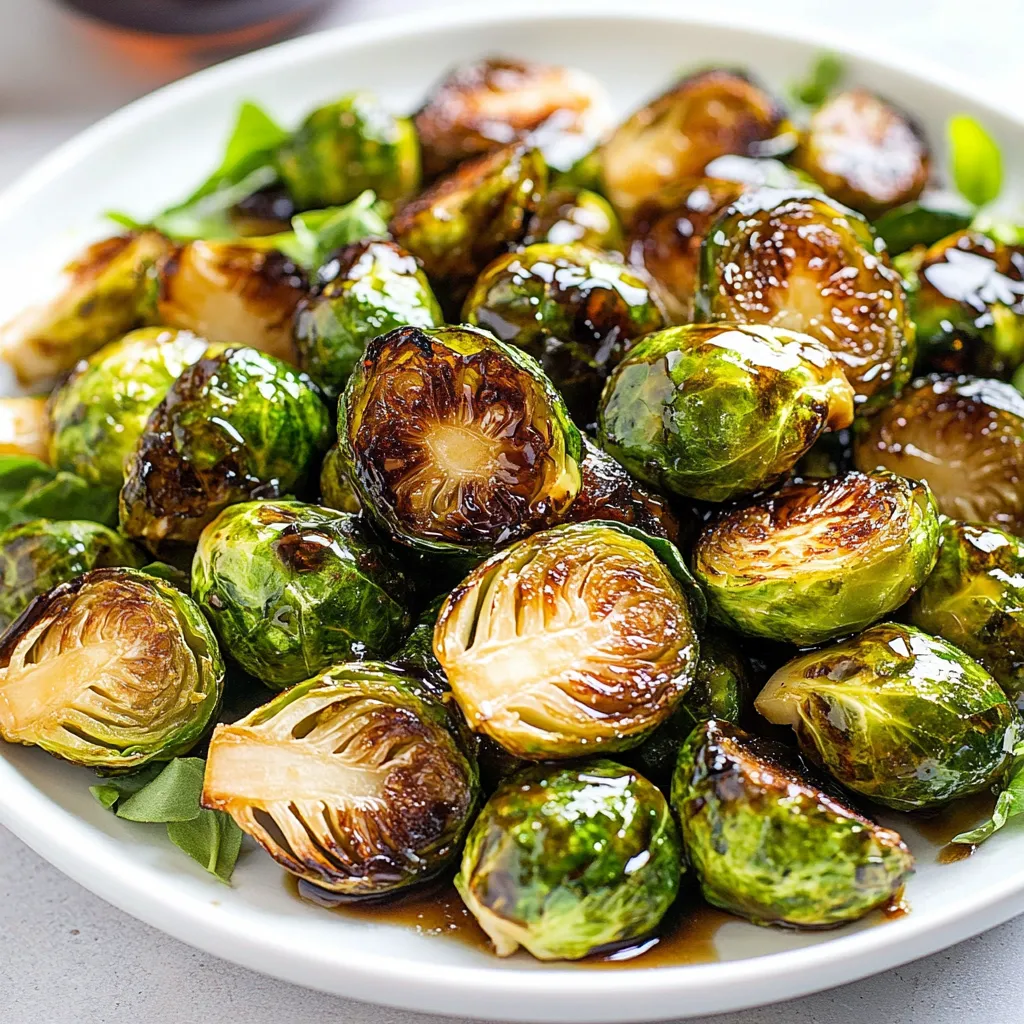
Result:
{"points": [[25, 428], [479, 107], [350, 780], [574, 639], [974, 598], [367, 289], [99, 413], [570, 215], [820, 559], [575, 310], [768, 844], [677, 135], [346, 147], [234, 294], [723, 688], [456, 442], [110, 670], [37, 555], [234, 426], [336, 490], [896, 715], [107, 293], [965, 437], [291, 589], [714, 412], [864, 152], [472, 215], [607, 491], [563, 861], [967, 301], [793, 259]]}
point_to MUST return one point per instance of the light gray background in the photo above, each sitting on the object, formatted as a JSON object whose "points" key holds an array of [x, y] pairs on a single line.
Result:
{"points": [[66, 957]]}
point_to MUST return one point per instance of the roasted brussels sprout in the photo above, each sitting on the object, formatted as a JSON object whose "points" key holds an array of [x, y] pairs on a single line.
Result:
{"points": [[902, 717], [864, 152], [714, 412], [370, 288], [796, 260], [291, 589], [965, 437], [234, 426], [233, 294], [678, 134], [968, 305], [350, 780], [346, 147], [607, 491], [336, 490], [99, 413], [768, 844], [974, 598], [37, 555], [574, 639], [563, 861], [416, 655], [820, 559], [481, 106], [467, 218], [723, 688], [572, 308], [924, 221], [111, 670], [24, 428], [456, 442], [569, 215], [108, 292]]}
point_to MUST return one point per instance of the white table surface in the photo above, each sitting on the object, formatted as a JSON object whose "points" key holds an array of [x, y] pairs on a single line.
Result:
{"points": [[66, 957]]}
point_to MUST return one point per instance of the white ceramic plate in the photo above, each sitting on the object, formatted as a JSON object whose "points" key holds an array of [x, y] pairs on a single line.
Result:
{"points": [[150, 154]]}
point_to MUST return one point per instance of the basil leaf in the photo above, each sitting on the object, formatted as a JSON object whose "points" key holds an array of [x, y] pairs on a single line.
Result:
{"points": [[213, 839], [17, 474], [1009, 804], [110, 791], [1018, 380], [825, 74], [977, 162], [919, 223], [29, 489], [124, 220], [172, 796]]}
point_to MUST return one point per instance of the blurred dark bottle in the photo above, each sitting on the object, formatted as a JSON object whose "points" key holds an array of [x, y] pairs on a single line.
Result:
{"points": [[227, 22]]}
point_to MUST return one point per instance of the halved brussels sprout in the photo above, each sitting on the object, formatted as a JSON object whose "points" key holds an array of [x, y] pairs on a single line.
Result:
{"points": [[456, 442], [796, 260], [714, 412], [607, 491], [291, 589], [723, 688], [108, 292], [677, 135], [24, 428], [820, 559], [575, 310], [37, 555], [575, 639], [99, 413], [350, 780], [470, 216], [336, 490], [964, 436], [347, 147], [864, 152], [974, 598], [371, 288], [968, 305], [768, 844], [569, 215], [563, 861], [110, 670], [233, 294], [234, 426], [904, 718], [481, 106]]}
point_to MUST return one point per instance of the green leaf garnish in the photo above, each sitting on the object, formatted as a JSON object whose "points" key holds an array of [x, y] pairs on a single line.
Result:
{"points": [[169, 794], [29, 489], [825, 74], [977, 162], [1009, 804]]}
